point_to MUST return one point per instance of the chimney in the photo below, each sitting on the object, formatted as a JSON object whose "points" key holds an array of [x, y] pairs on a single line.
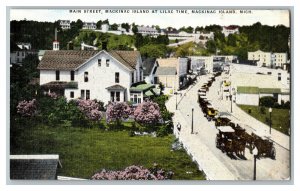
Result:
{"points": [[104, 45], [55, 42]]}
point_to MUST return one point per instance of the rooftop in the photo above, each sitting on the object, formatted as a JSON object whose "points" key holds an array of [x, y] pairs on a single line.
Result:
{"points": [[166, 71], [72, 59], [34, 167]]}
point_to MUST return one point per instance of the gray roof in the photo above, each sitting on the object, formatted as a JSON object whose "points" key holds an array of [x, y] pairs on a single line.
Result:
{"points": [[72, 59], [148, 65], [166, 71], [34, 167]]}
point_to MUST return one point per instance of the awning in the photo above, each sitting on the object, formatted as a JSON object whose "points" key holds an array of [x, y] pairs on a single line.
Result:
{"points": [[116, 87]]}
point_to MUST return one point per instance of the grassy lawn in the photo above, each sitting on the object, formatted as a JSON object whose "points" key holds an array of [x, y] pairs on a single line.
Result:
{"points": [[280, 117], [84, 151]]}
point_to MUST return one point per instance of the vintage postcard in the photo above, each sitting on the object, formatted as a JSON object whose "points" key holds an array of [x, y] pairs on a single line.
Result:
{"points": [[150, 94]]}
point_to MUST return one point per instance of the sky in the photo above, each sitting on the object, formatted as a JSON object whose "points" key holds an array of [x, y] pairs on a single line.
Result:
{"points": [[163, 17]]}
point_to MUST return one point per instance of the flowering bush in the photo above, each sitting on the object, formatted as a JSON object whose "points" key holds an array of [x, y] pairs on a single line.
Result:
{"points": [[133, 173], [52, 95], [90, 108], [147, 112], [117, 111], [27, 108]]}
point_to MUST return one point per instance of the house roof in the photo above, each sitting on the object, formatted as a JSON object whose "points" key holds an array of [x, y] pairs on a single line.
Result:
{"points": [[60, 85], [128, 58], [141, 87], [72, 59], [148, 64], [166, 71], [247, 90], [64, 59], [256, 90], [34, 167], [116, 87], [168, 62]]}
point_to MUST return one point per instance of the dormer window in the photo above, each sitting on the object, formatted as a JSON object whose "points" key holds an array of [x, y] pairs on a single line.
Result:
{"points": [[86, 77], [107, 62]]}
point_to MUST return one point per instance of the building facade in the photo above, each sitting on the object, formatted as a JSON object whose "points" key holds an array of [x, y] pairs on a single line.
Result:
{"points": [[65, 24], [89, 25], [268, 59], [101, 75]]}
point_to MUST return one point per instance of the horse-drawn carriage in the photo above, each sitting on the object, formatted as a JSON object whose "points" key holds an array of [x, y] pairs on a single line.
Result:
{"points": [[222, 121], [264, 145], [229, 142]]}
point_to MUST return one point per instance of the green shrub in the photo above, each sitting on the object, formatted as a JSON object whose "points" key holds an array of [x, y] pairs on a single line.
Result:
{"points": [[267, 101]]}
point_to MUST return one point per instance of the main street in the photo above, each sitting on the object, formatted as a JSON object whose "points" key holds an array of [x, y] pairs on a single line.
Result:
{"points": [[202, 147]]}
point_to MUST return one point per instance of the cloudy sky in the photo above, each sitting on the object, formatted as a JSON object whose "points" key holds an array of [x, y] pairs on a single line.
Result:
{"points": [[163, 19]]}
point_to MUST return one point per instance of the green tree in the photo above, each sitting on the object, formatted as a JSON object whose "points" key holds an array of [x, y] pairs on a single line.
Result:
{"points": [[99, 24], [153, 50], [114, 27]]}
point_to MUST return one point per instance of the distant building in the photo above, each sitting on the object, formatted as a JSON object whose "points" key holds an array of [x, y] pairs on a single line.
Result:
{"points": [[89, 25], [65, 24], [205, 36], [21, 51], [165, 71], [268, 59], [208, 62], [147, 31], [249, 83], [227, 30]]}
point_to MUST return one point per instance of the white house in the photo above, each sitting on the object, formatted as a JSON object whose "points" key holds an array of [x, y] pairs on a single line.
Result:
{"points": [[102, 75], [64, 24], [89, 25], [147, 31], [227, 30], [22, 50]]}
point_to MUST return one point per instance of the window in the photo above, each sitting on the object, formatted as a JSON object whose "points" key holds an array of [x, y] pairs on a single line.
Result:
{"points": [[117, 96], [279, 78], [112, 96], [87, 94], [72, 94], [107, 62], [117, 77], [99, 62], [57, 74], [82, 94], [86, 77], [72, 75], [269, 73]]}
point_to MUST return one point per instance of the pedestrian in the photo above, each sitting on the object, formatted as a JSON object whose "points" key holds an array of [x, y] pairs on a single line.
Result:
{"points": [[178, 127]]}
